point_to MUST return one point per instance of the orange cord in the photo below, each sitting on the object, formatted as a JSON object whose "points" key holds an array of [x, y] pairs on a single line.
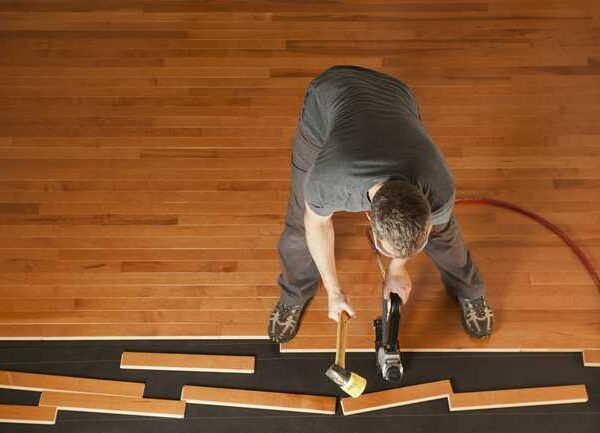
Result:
{"points": [[553, 228]]}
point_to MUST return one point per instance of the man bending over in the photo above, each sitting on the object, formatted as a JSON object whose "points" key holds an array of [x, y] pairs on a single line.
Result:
{"points": [[361, 146]]}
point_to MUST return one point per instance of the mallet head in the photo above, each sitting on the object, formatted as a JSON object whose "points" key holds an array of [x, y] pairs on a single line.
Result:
{"points": [[351, 383]]}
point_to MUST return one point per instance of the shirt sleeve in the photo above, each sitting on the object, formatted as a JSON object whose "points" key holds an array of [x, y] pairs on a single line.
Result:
{"points": [[313, 196], [313, 117]]}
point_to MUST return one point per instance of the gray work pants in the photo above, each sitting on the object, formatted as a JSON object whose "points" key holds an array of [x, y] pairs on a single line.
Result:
{"points": [[299, 278]]}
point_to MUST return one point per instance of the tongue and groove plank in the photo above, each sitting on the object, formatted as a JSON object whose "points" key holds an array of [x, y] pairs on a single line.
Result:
{"points": [[518, 397], [128, 331], [187, 362], [225, 266], [554, 295], [551, 278], [46, 382], [113, 404], [513, 342], [479, 400], [396, 397], [319, 336], [591, 358], [508, 336], [258, 399], [21, 414]]}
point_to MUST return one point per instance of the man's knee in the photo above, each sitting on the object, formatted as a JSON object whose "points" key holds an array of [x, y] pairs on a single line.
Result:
{"points": [[292, 238], [447, 233]]}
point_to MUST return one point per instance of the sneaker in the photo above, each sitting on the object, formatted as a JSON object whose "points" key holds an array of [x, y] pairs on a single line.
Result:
{"points": [[477, 317], [284, 322]]}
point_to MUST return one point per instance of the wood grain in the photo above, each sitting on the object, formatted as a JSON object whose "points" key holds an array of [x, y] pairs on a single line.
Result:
{"points": [[591, 358], [113, 404], [19, 414], [396, 397], [47, 382], [518, 397], [187, 362], [145, 162], [258, 399], [464, 400]]}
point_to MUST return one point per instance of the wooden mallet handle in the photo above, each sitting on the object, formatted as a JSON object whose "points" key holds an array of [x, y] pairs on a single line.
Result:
{"points": [[340, 346]]}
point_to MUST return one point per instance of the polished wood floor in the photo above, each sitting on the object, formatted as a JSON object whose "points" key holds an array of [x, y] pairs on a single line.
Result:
{"points": [[145, 149]]}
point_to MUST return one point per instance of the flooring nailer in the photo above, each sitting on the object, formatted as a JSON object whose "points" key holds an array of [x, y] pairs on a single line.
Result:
{"points": [[387, 348]]}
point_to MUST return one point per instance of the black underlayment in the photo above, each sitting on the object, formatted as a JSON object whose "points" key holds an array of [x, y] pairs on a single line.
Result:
{"points": [[304, 373]]}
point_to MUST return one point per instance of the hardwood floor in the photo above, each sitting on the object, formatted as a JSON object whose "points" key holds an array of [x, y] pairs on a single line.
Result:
{"points": [[145, 149]]}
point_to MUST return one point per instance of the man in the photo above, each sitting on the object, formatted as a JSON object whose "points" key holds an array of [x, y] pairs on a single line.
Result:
{"points": [[361, 146]]}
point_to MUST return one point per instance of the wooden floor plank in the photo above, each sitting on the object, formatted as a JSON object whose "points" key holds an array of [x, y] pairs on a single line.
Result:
{"points": [[394, 397], [448, 333], [591, 358], [47, 382], [258, 399], [121, 331], [187, 362], [466, 400], [449, 342], [518, 397], [113, 404], [19, 414]]}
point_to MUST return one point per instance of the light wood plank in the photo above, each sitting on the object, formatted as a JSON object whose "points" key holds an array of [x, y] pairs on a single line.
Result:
{"points": [[47, 382], [518, 397], [120, 331], [187, 362], [591, 358], [113, 404], [20, 414], [402, 396], [258, 399], [452, 341]]}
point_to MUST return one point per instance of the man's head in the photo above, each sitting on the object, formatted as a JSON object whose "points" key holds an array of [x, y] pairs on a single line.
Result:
{"points": [[400, 219]]}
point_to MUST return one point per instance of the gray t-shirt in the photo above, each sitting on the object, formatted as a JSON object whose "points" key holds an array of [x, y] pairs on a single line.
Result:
{"points": [[368, 129]]}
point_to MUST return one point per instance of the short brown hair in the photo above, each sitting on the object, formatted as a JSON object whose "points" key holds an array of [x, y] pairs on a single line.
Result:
{"points": [[400, 216]]}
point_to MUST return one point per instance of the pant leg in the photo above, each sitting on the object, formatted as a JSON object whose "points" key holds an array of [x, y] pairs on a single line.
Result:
{"points": [[448, 251], [299, 277]]}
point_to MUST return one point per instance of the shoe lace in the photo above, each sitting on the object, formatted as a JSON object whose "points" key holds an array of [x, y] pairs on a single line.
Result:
{"points": [[288, 310], [286, 317], [476, 309]]}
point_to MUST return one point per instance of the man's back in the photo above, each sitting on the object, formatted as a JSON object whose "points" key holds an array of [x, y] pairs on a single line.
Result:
{"points": [[368, 129]]}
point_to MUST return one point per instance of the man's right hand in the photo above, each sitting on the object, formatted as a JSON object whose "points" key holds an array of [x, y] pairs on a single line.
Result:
{"points": [[338, 302]]}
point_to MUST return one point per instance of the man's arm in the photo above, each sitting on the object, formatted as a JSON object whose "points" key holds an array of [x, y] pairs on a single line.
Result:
{"points": [[320, 238]]}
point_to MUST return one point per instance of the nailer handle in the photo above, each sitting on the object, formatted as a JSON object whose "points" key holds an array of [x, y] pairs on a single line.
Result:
{"points": [[392, 319]]}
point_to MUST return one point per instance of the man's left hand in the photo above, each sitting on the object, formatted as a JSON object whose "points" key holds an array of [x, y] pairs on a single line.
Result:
{"points": [[397, 281]]}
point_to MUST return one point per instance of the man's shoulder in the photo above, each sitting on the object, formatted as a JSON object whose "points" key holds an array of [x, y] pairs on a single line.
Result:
{"points": [[325, 188]]}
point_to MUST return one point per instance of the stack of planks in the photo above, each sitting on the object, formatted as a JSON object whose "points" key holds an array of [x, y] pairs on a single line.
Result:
{"points": [[109, 396], [80, 394]]}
